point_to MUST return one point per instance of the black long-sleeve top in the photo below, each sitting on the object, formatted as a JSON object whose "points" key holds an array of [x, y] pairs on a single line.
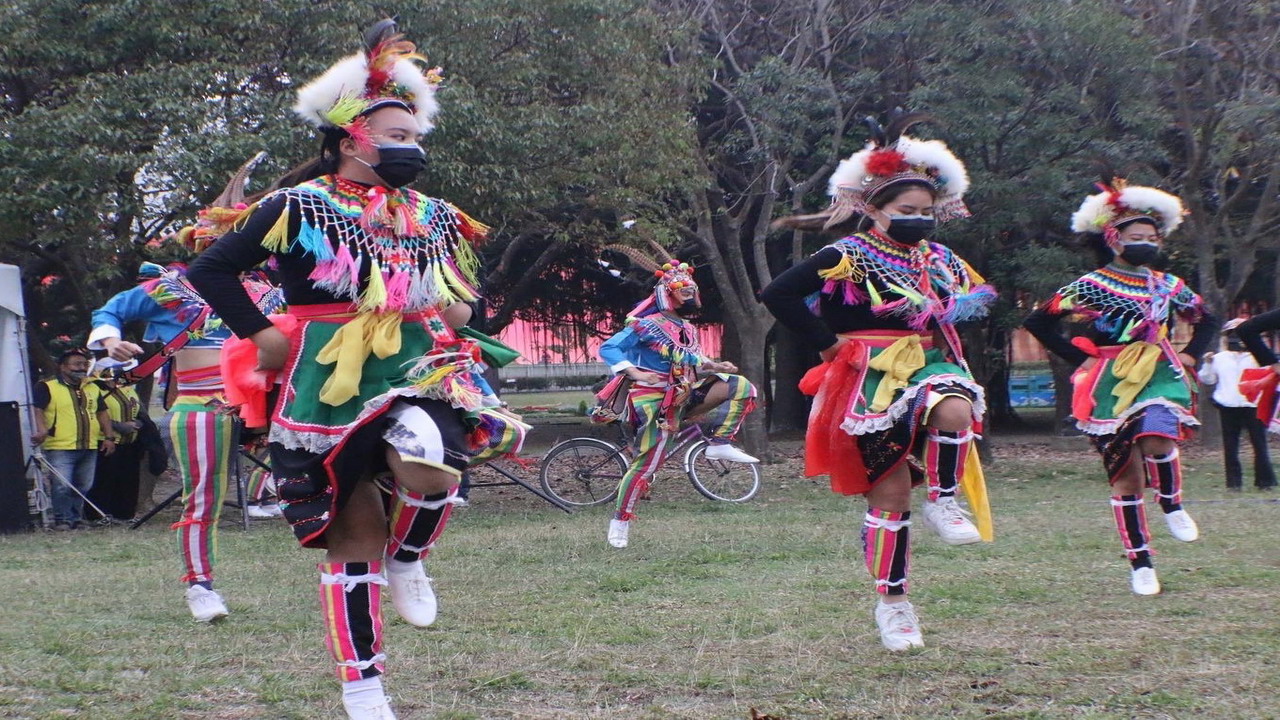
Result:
{"points": [[1112, 298], [1250, 333], [214, 273], [324, 219], [786, 296]]}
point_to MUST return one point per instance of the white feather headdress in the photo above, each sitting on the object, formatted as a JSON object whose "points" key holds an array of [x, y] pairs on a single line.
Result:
{"points": [[891, 157], [1120, 202], [387, 72]]}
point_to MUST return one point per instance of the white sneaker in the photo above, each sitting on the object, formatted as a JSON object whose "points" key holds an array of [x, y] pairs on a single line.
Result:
{"points": [[1181, 526], [365, 700], [618, 531], [947, 518], [274, 510], [729, 453], [899, 626], [260, 512], [205, 605], [1144, 581], [412, 595], [366, 709]]}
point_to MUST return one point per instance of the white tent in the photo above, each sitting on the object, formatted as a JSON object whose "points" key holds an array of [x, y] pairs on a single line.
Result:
{"points": [[15, 375], [15, 400]]}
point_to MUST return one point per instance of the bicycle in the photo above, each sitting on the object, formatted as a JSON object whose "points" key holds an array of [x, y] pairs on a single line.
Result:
{"points": [[584, 471]]}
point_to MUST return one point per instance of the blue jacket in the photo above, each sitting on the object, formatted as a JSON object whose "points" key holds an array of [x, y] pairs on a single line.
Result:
{"points": [[162, 323], [641, 344]]}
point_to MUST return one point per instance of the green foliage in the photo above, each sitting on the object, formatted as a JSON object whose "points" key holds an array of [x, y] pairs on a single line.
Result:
{"points": [[1031, 95]]}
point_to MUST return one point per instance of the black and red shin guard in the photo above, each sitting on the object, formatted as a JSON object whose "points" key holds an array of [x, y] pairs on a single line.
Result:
{"points": [[886, 541], [1131, 522], [1164, 473], [351, 604], [945, 454], [417, 521]]}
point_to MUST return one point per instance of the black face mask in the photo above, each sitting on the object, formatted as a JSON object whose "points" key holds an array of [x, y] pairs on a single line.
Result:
{"points": [[1235, 346], [911, 229], [688, 308], [1140, 253], [400, 165]]}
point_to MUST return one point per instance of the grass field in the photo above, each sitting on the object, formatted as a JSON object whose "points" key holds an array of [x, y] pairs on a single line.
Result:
{"points": [[713, 611]]}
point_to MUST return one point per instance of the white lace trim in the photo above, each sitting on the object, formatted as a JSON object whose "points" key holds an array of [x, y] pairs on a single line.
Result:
{"points": [[320, 443], [1111, 427], [875, 423]]}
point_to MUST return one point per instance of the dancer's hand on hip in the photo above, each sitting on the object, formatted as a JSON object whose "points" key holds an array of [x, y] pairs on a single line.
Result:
{"points": [[830, 353], [273, 348]]}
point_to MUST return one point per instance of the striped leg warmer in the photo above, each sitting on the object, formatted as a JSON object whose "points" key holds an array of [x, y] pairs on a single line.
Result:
{"points": [[351, 603], [886, 540]]}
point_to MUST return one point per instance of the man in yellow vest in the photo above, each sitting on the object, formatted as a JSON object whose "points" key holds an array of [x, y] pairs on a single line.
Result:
{"points": [[70, 427]]}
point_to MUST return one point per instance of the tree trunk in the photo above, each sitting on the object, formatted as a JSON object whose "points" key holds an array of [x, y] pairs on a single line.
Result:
{"points": [[1062, 388], [745, 345], [791, 359]]}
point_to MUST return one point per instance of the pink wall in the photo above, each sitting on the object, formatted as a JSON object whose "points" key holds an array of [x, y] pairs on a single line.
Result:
{"points": [[544, 343]]}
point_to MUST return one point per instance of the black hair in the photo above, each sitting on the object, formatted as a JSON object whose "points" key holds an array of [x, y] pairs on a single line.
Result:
{"points": [[66, 355], [854, 223], [1097, 242]]}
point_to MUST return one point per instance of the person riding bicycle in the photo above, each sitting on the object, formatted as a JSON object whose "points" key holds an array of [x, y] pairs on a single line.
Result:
{"points": [[657, 360]]}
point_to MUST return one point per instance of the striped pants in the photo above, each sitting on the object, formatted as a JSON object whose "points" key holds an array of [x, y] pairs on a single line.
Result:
{"points": [[203, 442], [719, 425], [260, 485]]}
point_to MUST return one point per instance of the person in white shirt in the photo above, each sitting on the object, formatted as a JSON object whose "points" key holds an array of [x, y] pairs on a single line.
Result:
{"points": [[1223, 369]]}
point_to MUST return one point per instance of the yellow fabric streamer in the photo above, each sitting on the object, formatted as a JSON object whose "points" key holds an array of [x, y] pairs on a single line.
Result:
{"points": [[1134, 367], [973, 483], [843, 270], [348, 349], [898, 362], [277, 238]]}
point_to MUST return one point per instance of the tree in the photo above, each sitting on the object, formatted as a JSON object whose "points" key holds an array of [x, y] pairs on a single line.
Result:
{"points": [[129, 116], [560, 123], [1222, 139], [1031, 96], [116, 119], [772, 88]]}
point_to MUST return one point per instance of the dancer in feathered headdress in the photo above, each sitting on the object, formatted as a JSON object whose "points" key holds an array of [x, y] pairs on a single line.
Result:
{"points": [[662, 377], [882, 304], [1135, 394], [376, 380], [190, 335]]}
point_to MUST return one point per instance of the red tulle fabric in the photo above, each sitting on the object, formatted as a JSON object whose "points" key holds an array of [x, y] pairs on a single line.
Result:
{"points": [[1258, 385], [246, 386], [828, 449]]}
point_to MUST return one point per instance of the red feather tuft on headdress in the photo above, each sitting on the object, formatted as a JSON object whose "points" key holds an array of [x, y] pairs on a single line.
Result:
{"points": [[883, 163]]}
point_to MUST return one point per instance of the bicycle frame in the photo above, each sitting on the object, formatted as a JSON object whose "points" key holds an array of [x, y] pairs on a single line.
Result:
{"points": [[675, 444]]}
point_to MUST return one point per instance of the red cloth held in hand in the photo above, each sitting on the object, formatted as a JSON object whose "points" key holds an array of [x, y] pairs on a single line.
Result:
{"points": [[828, 449], [246, 386]]}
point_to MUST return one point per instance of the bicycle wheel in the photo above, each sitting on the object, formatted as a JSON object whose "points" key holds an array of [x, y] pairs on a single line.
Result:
{"points": [[583, 471], [720, 480]]}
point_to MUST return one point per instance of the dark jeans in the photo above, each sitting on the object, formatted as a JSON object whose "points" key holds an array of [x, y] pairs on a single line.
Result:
{"points": [[76, 467], [1235, 419]]}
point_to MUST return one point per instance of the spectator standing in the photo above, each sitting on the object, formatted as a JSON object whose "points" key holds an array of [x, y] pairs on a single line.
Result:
{"points": [[73, 422], [1223, 370]]}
